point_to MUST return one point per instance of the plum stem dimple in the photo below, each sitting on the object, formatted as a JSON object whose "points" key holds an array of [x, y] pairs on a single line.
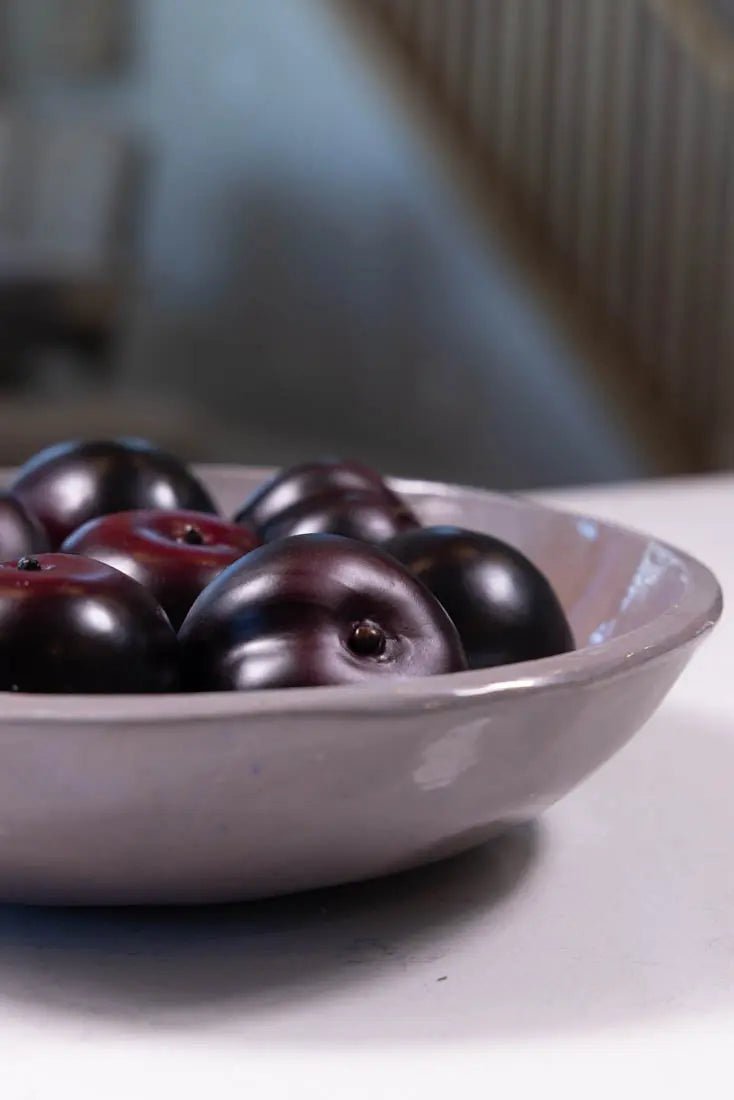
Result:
{"points": [[367, 639], [29, 565], [192, 536]]}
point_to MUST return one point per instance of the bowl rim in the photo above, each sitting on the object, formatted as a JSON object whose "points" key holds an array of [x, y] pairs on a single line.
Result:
{"points": [[683, 623]]}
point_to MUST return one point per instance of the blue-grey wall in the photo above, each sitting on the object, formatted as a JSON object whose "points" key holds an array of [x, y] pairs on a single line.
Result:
{"points": [[307, 273]]}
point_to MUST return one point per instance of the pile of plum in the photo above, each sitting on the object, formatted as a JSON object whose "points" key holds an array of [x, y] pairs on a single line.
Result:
{"points": [[120, 576]]}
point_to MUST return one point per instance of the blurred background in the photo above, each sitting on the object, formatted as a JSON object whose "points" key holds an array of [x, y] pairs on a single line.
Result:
{"points": [[483, 240]]}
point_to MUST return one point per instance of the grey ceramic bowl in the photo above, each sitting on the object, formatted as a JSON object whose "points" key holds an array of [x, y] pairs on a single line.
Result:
{"points": [[202, 798]]}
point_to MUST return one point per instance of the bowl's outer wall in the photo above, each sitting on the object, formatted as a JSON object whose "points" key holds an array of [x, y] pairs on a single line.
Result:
{"points": [[201, 809]]}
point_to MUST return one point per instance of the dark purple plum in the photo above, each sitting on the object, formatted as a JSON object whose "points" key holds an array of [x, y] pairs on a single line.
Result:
{"points": [[504, 608], [364, 515], [173, 554], [71, 624], [20, 531], [313, 610], [71, 483], [300, 483]]}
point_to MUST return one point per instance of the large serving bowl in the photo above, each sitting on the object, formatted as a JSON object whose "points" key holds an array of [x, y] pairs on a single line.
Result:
{"points": [[214, 797]]}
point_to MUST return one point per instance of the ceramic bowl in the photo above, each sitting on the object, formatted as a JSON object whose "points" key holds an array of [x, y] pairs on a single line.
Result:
{"points": [[217, 797]]}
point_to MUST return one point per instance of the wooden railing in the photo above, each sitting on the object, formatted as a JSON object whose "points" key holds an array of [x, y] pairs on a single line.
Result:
{"points": [[613, 123]]}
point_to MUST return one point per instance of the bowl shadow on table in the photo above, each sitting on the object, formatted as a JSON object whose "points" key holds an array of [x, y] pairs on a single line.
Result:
{"points": [[620, 908], [165, 962]]}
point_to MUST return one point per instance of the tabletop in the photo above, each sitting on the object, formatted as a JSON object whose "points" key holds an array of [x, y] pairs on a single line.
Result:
{"points": [[591, 948]]}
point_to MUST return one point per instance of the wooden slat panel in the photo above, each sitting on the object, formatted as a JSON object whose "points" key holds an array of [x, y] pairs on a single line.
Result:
{"points": [[538, 99], [708, 305], [684, 173], [622, 147], [523, 48], [614, 122], [510, 82], [486, 53], [723, 412], [458, 55], [405, 14], [650, 309], [430, 36], [649, 195], [567, 125], [597, 115]]}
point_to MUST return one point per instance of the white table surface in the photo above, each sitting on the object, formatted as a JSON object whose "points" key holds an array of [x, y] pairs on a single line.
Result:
{"points": [[594, 951]]}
